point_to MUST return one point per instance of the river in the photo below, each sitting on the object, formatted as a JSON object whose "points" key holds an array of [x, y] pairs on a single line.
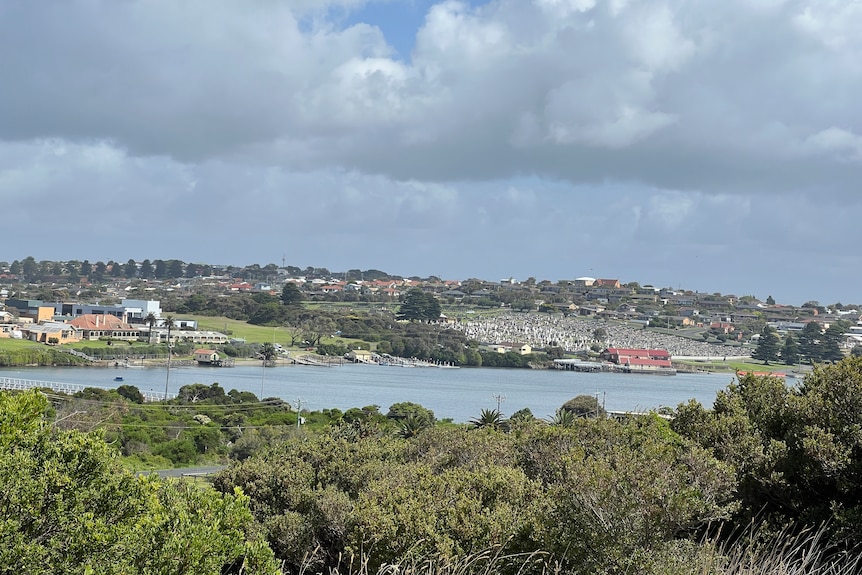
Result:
{"points": [[458, 394]]}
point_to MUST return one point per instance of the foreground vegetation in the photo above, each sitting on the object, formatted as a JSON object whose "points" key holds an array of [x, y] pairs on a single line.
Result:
{"points": [[766, 481]]}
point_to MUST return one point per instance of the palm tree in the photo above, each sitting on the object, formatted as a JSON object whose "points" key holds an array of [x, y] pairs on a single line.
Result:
{"points": [[411, 425], [268, 353], [490, 418], [564, 418], [169, 321], [152, 320]]}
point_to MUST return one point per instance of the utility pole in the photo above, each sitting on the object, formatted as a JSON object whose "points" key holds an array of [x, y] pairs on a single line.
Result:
{"points": [[262, 376], [170, 324]]}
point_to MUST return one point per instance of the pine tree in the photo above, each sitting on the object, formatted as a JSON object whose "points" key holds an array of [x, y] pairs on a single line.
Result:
{"points": [[790, 351], [419, 305], [809, 341], [830, 347], [767, 346]]}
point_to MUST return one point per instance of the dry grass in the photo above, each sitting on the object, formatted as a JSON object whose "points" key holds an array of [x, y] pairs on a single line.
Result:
{"points": [[806, 553]]}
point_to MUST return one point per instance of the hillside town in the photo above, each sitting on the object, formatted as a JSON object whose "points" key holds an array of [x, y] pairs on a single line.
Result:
{"points": [[66, 302]]}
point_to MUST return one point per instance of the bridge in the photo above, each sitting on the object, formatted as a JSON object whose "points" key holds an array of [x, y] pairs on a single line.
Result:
{"points": [[18, 384]]}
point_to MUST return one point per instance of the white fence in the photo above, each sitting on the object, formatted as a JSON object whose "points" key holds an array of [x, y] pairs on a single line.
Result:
{"points": [[18, 384]]}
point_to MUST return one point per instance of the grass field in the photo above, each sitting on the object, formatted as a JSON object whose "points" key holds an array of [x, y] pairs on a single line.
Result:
{"points": [[12, 344], [253, 333], [741, 365]]}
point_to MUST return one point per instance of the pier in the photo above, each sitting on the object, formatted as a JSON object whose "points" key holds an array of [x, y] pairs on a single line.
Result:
{"points": [[18, 384], [580, 365]]}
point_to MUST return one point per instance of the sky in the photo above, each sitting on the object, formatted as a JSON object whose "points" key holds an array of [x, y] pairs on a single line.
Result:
{"points": [[695, 144]]}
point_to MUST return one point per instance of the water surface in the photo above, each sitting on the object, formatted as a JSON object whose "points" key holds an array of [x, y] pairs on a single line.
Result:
{"points": [[459, 394]]}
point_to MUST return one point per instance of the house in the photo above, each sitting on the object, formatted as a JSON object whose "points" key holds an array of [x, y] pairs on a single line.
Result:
{"points": [[611, 283], [519, 348], [361, 356], [683, 320], [622, 356], [53, 332], [206, 356], [94, 327], [590, 310], [205, 337], [640, 360], [522, 348]]}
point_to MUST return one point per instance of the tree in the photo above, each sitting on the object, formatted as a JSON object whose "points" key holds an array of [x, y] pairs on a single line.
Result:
{"points": [[169, 322], [584, 406], [564, 418], [830, 346], [86, 268], [419, 306], [67, 505], [146, 271], [767, 345], [116, 269], [130, 269], [405, 409], [809, 341], [131, 392], [523, 415], [151, 320], [489, 419], [175, 269], [29, 268], [790, 351], [412, 425], [99, 271], [770, 300], [290, 295], [317, 327], [268, 352], [270, 313], [795, 450], [161, 269]]}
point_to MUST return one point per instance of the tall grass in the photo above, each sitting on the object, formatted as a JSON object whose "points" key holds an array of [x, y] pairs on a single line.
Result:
{"points": [[805, 553], [808, 552]]}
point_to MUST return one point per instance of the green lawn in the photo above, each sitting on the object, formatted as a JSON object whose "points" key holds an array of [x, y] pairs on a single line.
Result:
{"points": [[252, 333], [740, 365], [239, 329], [12, 344]]}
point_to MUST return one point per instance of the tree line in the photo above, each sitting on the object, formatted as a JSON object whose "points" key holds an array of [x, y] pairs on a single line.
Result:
{"points": [[812, 345], [31, 270]]}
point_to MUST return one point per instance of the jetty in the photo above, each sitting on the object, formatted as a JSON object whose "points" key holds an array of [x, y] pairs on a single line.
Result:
{"points": [[19, 384]]}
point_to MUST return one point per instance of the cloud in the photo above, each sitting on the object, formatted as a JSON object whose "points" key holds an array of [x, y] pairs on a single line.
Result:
{"points": [[662, 130], [713, 97]]}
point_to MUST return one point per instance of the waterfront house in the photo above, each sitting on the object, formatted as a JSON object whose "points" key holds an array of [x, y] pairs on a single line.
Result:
{"points": [[94, 327], [206, 356]]}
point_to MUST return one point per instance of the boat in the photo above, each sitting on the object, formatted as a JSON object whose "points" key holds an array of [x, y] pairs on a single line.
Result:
{"points": [[118, 378]]}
